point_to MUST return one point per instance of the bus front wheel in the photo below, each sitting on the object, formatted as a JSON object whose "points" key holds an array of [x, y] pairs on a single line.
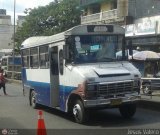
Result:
{"points": [[79, 112], [128, 110], [33, 99]]}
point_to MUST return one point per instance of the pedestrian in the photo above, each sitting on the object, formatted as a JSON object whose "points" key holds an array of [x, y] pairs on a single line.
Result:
{"points": [[3, 82]]}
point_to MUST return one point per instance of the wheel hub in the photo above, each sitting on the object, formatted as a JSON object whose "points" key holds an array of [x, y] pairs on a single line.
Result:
{"points": [[33, 99], [76, 110]]}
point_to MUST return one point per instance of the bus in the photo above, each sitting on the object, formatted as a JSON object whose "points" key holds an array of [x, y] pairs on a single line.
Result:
{"points": [[77, 71], [11, 67]]}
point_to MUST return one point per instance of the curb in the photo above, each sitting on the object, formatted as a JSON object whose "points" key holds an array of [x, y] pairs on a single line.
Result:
{"points": [[149, 104]]}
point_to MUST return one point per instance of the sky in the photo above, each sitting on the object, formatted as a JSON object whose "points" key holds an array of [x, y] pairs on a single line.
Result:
{"points": [[21, 5]]}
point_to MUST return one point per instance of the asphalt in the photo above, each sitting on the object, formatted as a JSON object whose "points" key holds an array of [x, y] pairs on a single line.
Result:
{"points": [[151, 102]]}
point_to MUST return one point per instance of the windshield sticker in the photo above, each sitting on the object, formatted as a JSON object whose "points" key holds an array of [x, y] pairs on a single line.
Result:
{"points": [[95, 47], [77, 39]]}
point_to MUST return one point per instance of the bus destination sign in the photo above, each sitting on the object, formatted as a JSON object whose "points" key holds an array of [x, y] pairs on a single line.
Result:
{"points": [[100, 28]]}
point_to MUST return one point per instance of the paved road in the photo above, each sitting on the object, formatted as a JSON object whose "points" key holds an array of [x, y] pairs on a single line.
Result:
{"points": [[15, 113]]}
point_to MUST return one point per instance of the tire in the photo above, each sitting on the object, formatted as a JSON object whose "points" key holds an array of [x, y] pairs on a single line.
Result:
{"points": [[33, 99], [80, 114], [146, 88], [127, 111]]}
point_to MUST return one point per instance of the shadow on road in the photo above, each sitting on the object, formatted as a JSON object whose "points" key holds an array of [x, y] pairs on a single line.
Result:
{"points": [[111, 118]]}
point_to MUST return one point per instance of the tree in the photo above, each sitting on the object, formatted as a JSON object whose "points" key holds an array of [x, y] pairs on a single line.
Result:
{"points": [[56, 17]]}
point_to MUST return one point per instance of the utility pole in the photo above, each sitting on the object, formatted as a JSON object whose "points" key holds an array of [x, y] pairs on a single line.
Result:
{"points": [[13, 58]]}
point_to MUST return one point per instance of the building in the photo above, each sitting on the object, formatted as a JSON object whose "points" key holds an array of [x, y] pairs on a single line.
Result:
{"points": [[145, 33], [105, 11], [20, 20], [6, 30], [4, 52], [145, 30], [141, 19]]}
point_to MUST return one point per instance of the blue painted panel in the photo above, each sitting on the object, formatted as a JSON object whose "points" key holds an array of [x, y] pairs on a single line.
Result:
{"points": [[43, 92], [64, 93]]}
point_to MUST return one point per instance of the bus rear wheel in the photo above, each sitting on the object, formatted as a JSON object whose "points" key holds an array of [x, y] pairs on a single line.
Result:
{"points": [[79, 112], [33, 99]]}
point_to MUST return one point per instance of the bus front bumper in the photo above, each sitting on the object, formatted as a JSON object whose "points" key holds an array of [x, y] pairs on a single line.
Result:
{"points": [[111, 101]]}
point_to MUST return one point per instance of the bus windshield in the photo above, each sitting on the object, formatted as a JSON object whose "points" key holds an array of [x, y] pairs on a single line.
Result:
{"points": [[97, 48]]}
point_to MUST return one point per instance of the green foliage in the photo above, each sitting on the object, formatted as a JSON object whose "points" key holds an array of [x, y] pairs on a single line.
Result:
{"points": [[56, 17]]}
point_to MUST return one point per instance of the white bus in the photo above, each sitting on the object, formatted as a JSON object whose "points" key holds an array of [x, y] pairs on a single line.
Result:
{"points": [[11, 67], [78, 70]]}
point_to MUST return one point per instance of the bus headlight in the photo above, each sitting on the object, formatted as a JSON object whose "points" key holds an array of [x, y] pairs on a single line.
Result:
{"points": [[91, 91]]}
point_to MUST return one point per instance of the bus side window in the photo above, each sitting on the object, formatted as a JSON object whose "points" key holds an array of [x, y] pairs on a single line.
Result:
{"points": [[34, 58], [43, 57]]}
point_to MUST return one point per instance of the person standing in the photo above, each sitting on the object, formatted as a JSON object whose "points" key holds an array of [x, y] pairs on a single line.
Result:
{"points": [[3, 82]]}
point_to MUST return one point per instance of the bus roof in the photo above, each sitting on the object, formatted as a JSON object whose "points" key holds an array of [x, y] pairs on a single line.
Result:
{"points": [[77, 30]]}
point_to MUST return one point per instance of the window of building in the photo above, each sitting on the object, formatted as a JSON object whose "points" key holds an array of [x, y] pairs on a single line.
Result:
{"points": [[43, 57], [34, 57], [114, 4], [25, 58], [96, 8]]}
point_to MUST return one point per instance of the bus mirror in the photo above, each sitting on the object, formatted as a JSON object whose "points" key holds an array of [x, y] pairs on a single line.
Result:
{"points": [[66, 52], [129, 46]]}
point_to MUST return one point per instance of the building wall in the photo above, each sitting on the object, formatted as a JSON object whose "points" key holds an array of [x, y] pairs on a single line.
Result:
{"points": [[5, 19], [20, 20], [143, 8], [122, 7], [89, 10], [6, 32], [105, 6]]}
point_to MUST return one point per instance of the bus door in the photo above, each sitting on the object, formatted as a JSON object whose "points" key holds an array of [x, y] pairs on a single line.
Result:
{"points": [[54, 77]]}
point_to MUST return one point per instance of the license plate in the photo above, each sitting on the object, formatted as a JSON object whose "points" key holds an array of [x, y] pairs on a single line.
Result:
{"points": [[116, 101]]}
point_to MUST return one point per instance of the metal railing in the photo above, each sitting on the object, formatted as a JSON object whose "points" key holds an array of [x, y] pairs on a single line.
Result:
{"points": [[102, 16]]}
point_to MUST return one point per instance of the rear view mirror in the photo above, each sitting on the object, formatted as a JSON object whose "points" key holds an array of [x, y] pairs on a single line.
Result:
{"points": [[130, 48]]}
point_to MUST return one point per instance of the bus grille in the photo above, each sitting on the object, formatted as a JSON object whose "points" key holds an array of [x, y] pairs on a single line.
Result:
{"points": [[115, 88]]}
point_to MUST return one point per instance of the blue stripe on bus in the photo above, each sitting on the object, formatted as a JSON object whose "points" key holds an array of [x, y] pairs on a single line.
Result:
{"points": [[43, 93], [64, 93], [42, 90]]}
